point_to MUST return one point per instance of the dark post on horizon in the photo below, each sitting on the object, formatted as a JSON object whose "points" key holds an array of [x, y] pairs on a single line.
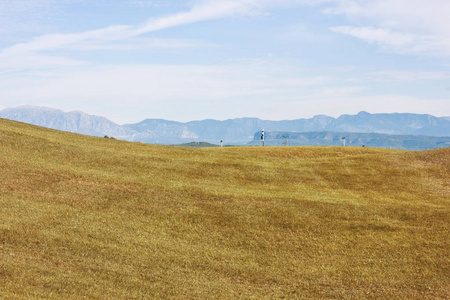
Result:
{"points": [[262, 136]]}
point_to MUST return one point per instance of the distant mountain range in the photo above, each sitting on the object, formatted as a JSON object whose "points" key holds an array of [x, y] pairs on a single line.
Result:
{"points": [[233, 131]]}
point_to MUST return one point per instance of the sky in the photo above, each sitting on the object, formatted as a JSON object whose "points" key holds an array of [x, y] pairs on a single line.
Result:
{"points": [[129, 60]]}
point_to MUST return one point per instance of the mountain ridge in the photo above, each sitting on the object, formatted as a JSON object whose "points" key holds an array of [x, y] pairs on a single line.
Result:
{"points": [[237, 131], [73, 121]]}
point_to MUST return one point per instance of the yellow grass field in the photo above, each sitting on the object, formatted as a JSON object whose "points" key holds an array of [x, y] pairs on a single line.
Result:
{"points": [[94, 218]]}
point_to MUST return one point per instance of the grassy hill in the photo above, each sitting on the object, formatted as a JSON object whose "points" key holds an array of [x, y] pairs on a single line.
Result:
{"points": [[95, 218], [197, 145]]}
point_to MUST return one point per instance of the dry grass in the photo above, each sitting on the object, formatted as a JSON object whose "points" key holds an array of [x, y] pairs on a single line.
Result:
{"points": [[84, 217]]}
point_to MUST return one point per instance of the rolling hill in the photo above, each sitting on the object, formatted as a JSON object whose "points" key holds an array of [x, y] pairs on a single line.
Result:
{"points": [[95, 218]]}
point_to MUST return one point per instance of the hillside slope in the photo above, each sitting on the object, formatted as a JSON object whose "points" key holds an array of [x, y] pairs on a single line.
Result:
{"points": [[95, 218]]}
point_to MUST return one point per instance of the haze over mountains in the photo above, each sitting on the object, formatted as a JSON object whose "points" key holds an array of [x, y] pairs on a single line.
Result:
{"points": [[232, 131], [74, 121]]}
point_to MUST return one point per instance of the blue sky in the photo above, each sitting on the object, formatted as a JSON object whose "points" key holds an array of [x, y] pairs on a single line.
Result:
{"points": [[196, 59]]}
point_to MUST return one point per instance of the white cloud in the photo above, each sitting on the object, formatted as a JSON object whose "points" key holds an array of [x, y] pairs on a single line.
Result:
{"points": [[402, 26], [399, 42], [425, 16], [378, 35], [127, 37], [207, 10], [202, 11], [410, 76], [51, 42]]}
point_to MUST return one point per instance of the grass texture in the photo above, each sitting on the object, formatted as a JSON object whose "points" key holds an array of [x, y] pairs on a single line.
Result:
{"points": [[85, 217]]}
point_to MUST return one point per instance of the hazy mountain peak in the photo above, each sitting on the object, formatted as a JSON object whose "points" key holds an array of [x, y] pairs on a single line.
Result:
{"points": [[74, 121], [363, 113]]}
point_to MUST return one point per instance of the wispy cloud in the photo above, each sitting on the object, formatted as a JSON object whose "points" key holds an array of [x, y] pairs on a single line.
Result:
{"points": [[399, 42], [408, 76], [199, 12], [129, 37], [402, 26], [52, 42]]}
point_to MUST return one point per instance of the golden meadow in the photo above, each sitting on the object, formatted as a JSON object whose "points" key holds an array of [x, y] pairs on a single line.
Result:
{"points": [[94, 218]]}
